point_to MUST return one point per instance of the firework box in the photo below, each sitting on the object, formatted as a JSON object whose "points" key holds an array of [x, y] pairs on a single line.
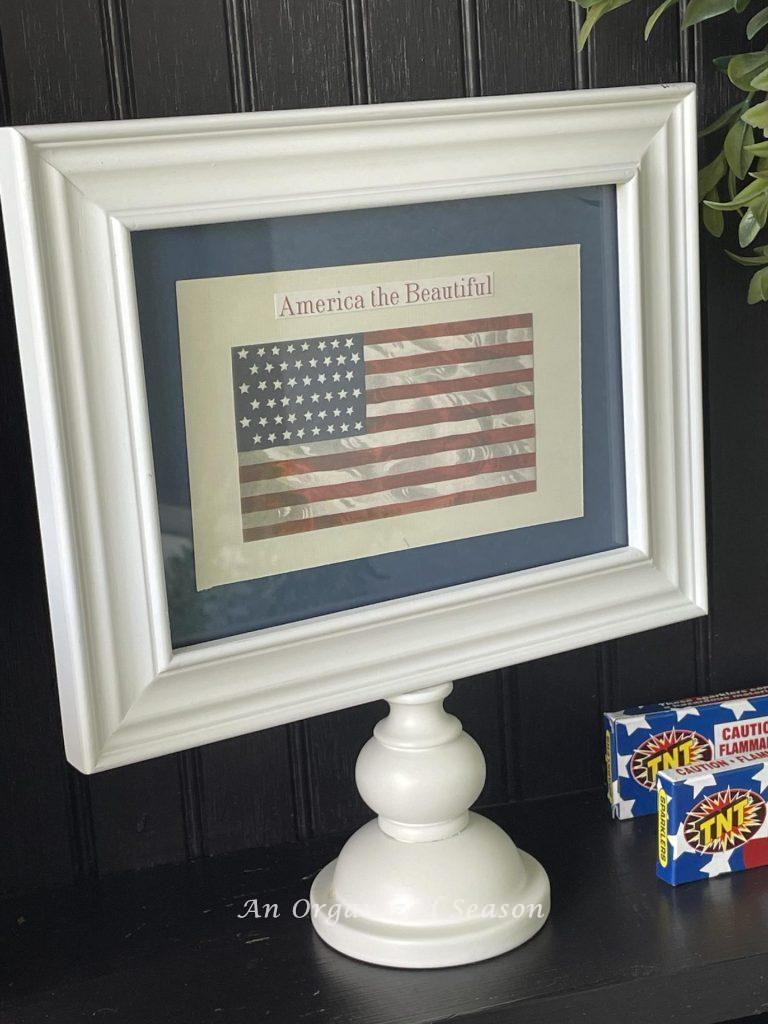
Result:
{"points": [[712, 818], [642, 741]]}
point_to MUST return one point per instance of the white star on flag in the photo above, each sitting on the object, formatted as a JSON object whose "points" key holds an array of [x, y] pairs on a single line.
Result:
{"points": [[718, 865], [682, 712], [623, 760], [699, 783], [635, 723], [761, 776], [738, 707], [678, 842]]}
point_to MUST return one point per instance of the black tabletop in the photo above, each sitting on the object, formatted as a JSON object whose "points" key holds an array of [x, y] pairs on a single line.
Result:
{"points": [[170, 945]]}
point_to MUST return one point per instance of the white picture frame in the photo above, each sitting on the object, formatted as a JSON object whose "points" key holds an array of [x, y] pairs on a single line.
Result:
{"points": [[72, 194]]}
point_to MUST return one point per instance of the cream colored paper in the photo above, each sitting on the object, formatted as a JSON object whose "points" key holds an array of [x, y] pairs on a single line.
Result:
{"points": [[217, 314]]}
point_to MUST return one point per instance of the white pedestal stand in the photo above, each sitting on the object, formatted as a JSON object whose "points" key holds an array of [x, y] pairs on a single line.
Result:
{"points": [[428, 883]]}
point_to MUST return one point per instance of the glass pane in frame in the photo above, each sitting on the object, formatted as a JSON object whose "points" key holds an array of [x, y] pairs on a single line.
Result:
{"points": [[457, 236]]}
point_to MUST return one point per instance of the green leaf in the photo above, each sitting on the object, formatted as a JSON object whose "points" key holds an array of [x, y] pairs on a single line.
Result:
{"points": [[742, 5], [710, 175], [721, 63], [723, 121], [758, 149], [713, 220], [760, 82], [744, 66], [748, 261], [595, 13], [700, 10], [739, 136], [756, 22], [663, 6], [752, 221], [744, 198], [758, 287], [757, 115]]}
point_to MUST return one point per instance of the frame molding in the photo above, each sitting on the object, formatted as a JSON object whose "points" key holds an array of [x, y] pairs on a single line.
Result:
{"points": [[72, 194]]}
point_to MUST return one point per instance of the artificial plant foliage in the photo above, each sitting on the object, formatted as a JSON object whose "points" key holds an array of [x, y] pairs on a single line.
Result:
{"points": [[734, 184]]}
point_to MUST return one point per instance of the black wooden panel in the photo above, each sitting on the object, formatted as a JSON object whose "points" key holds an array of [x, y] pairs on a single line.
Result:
{"points": [[715, 91], [556, 712], [654, 666], [178, 53], [524, 47], [737, 421], [738, 427], [5, 100], [34, 795], [300, 53], [415, 50], [137, 815], [246, 792], [478, 703], [333, 743], [618, 55], [54, 63]]}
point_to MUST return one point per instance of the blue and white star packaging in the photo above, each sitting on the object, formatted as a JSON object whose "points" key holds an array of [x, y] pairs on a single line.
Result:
{"points": [[713, 818], [642, 741]]}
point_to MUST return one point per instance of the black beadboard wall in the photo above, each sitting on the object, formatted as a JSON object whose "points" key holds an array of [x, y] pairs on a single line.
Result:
{"points": [[67, 60]]}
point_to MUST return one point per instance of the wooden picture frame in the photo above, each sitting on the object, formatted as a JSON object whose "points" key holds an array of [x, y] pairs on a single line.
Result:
{"points": [[72, 195]]}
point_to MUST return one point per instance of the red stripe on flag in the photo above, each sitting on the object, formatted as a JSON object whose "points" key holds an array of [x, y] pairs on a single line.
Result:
{"points": [[442, 357], [447, 414], [354, 488], [364, 515], [491, 323], [268, 470], [444, 387]]}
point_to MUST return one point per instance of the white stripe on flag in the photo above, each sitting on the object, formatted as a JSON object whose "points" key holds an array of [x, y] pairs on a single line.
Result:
{"points": [[328, 477], [452, 399], [448, 371], [394, 496]]}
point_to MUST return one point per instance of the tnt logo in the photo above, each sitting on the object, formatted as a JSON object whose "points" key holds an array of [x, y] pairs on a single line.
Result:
{"points": [[672, 749], [724, 820]]}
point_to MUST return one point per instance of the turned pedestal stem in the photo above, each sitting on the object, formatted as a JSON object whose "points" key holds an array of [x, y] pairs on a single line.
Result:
{"points": [[428, 883]]}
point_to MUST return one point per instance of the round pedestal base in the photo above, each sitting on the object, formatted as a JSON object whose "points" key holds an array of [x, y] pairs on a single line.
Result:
{"points": [[432, 904]]}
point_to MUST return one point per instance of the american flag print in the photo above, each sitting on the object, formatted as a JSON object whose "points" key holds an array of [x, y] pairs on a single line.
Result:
{"points": [[358, 427]]}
